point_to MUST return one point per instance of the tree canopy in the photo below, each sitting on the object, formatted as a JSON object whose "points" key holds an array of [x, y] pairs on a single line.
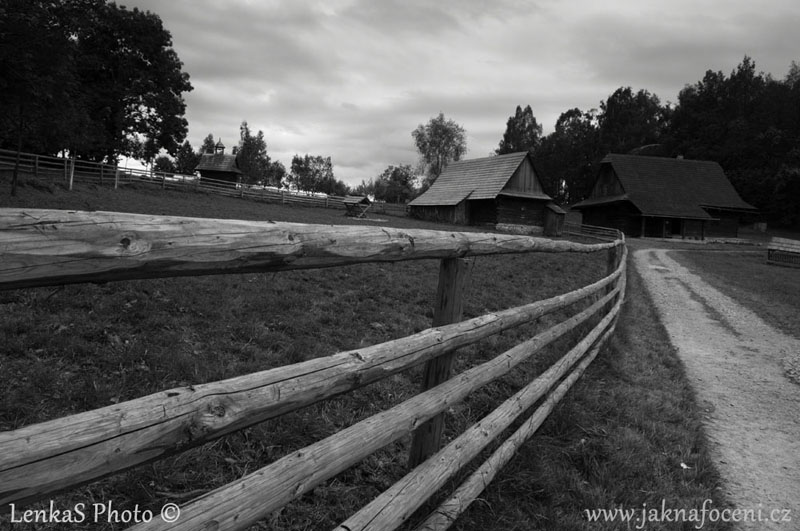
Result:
{"points": [[89, 77], [395, 184], [523, 132], [747, 121], [315, 174], [439, 142]]}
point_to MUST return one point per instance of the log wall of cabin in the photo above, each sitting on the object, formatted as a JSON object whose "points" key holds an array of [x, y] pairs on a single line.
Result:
{"points": [[482, 212], [620, 216], [725, 226], [456, 214], [519, 211]]}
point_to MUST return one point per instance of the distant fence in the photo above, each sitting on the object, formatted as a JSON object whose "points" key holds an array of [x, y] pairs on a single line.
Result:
{"points": [[57, 169], [49, 247], [591, 231], [783, 251]]}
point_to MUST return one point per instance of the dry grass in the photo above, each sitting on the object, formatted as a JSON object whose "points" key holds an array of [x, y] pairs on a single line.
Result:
{"points": [[617, 439]]}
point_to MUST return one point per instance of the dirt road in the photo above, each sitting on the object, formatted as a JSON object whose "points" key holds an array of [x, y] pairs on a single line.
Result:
{"points": [[737, 365]]}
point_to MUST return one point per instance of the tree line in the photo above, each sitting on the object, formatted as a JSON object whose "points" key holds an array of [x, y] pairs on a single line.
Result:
{"points": [[747, 121], [98, 81], [89, 78]]}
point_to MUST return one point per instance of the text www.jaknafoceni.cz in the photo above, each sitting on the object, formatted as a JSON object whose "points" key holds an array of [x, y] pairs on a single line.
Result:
{"points": [[641, 517]]}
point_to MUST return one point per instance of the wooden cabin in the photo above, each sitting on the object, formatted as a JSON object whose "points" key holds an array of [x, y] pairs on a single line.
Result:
{"points": [[219, 166], [664, 197], [356, 206], [504, 190]]}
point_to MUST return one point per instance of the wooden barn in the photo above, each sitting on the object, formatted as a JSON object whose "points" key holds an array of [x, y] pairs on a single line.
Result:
{"points": [[664, 198], [219, 166], [498, 191]]}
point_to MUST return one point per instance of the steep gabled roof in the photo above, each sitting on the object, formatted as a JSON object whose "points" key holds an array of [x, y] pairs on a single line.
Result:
{"points": [[482, 178], [218, 162], [667, 187]]}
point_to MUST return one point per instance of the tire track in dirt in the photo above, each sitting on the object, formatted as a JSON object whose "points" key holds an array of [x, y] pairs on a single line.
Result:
{"points": [[737, 365]]}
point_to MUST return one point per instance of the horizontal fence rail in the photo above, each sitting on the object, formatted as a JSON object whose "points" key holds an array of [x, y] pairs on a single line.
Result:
{"points": [[591, 231], [42, 247], [45, 247]]}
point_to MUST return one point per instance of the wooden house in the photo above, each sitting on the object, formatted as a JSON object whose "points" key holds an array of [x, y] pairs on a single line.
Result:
{"points": [[664, 198], [219, 166], [504, 190]]}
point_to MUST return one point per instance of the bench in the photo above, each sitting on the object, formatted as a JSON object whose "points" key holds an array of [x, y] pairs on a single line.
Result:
{"points": [[782, 251]]}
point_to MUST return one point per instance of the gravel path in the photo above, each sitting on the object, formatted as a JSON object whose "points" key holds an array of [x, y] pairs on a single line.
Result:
{"points": [[741, 370]]}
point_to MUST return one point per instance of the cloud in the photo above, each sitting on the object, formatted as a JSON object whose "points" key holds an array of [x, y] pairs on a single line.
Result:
{"points": [[351, 79]]}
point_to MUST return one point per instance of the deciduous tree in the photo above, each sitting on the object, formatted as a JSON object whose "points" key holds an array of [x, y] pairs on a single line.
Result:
{"points": [[439, 142], [395, 184], [98, 80], [312, 174]]}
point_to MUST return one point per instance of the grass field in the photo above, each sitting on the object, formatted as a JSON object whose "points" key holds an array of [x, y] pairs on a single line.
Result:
{"points": [[773, 292], [618, 440]]}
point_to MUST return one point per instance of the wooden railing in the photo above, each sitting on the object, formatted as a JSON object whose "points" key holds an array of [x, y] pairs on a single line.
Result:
{"points": [[591, 231], [45, 247]]}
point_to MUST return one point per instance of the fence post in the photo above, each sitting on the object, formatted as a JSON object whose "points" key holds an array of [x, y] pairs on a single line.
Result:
{"points": [[36, 166], [453, 277], [72, 173]]}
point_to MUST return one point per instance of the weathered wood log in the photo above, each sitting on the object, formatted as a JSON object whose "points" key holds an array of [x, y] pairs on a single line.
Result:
{"points": [[389, 510], [453, 278], [243, 502], [444, 515], [44, 247], [90, 445]]}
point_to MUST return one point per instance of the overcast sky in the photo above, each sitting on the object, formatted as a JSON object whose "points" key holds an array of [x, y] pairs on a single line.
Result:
{"points": [[351, 79]]}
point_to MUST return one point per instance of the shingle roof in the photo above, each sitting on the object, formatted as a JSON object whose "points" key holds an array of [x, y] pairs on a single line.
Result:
{"points": [[668, 187], [482, 178], [218, 162], [356, 199]]}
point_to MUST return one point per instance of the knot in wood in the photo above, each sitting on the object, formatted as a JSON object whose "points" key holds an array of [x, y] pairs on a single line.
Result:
{"points": [[216, 409]]}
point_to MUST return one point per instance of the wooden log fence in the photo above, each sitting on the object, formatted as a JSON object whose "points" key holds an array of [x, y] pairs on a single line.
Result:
{"points": [[43, 247], [783, 251]]}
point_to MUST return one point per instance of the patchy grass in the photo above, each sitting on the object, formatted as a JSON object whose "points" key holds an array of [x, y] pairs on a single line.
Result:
{"points": [[617, 440], [773, 292]]}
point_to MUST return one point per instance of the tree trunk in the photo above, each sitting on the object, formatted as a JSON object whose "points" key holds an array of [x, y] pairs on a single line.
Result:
{"points": [[15, 175]]}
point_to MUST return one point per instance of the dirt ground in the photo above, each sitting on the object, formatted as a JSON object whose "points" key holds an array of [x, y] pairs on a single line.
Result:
{"points": [[741, 370]]}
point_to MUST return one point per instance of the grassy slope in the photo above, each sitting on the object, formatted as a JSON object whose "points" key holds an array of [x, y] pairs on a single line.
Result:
{"points": [[773, 292], [618, 439]]}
